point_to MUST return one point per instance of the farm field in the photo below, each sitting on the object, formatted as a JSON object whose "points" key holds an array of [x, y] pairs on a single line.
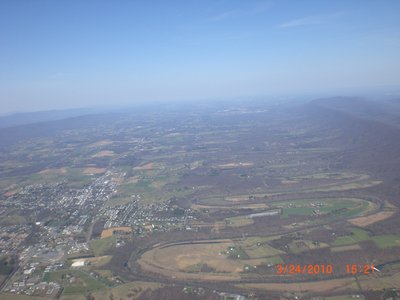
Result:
{"points": [[103, 246], [127, 290], [74, 281], [340, 207]]}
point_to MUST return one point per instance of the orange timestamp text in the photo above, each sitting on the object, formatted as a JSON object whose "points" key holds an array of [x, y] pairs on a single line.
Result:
{"points": [[327, 269], [311, 269]]}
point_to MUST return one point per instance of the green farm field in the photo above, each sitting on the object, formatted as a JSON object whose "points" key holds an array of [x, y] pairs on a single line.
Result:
{"points": [[74, 281]]}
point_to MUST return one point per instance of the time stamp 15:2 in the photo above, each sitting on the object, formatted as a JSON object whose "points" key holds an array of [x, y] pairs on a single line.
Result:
{"points": [[328, 269]]}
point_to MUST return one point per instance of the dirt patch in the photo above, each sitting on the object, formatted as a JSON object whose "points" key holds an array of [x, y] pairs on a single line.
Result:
{"points": [[146, 167], [60, 171], [104, 153], [371, 219], [101, 143], [236, 165], [10, 193], [237, 198], [158, 184], [389, 205], [239, 221], [93, 170], [218, 226], [289, 182], [98, 261], [110, 231], [133, 179]]}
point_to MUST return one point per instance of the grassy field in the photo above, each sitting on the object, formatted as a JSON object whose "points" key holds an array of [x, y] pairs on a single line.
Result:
{"points": [[256, 247], [149, 187], [357, 235], [386, 241], [7, 264], [130, 290], [76, 177], [273, 260], [299, 246], [347, 186], [118, 200], [305, 211], [199, 267], [346, 248], [334, 207], [254, 206], [235, 252], [214, 201], [239, 221], [102, 246], [74, 281], [12, 220]]}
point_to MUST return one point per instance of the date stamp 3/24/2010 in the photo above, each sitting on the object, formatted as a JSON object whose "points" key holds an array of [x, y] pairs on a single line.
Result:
{"points": [[328, 269]]}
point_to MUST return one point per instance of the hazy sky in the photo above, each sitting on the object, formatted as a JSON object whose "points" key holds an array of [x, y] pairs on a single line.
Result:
{"points": [[75, 53]]}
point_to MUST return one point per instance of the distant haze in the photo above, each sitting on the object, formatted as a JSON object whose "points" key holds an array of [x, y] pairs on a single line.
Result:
{"points": [[65, 54]]}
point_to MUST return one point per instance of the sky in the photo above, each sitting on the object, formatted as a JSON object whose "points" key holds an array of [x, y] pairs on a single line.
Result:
{"points": [[80, 53]]}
